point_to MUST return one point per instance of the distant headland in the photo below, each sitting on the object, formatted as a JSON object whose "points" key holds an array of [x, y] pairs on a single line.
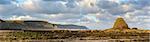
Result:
{"points": [[34, 25]]}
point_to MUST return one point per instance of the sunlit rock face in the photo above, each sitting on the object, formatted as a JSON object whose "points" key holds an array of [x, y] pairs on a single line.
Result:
{"points": [[120, 24], [23, 25]]}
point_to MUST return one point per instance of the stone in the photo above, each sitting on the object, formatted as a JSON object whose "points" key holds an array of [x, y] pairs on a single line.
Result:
{"points": [[120, 24]]}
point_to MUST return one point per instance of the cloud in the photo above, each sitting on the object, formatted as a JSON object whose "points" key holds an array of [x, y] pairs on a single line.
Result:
{"points": [[68, 18], [20, 17], [55, 7], [95, 14], [107, 4], [5, 2], [138, 18]]}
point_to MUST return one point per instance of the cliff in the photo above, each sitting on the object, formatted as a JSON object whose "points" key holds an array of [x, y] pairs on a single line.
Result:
{"points": [[34, 25], [25, 25]]}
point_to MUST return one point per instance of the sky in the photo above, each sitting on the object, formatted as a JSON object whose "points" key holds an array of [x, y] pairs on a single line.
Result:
{"points": [[94, 14]]}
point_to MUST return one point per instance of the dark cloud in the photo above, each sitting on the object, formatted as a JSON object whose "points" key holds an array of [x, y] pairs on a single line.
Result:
{"points": [[71, 4], [63, 0], [138, 4], [54, 0], [5, 1], [107, 4]]}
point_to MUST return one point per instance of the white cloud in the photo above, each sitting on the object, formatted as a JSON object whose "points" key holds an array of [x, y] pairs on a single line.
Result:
{"points": [[20, 18], [88, 3]]}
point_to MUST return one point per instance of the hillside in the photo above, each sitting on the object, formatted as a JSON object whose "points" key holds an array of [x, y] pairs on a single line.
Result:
{"points": [[26, 25], [70, 26], [34, 25]]}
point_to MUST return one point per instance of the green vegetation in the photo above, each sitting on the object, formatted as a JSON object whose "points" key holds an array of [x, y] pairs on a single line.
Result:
{"points": [[67, 34]]}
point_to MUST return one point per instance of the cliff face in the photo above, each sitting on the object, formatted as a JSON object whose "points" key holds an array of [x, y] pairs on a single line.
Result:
{"points": [[34, 25], [120, 24], [25, 25]]}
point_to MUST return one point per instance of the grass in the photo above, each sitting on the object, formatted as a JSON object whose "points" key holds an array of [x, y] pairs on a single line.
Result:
{"points": [[67, 34]]}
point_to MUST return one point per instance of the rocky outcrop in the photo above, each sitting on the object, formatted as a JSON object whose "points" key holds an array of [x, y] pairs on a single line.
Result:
{"points": [[120, 24]]}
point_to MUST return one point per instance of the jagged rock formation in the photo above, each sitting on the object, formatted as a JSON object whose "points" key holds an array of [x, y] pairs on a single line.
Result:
{"points": [[120, 24]]}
